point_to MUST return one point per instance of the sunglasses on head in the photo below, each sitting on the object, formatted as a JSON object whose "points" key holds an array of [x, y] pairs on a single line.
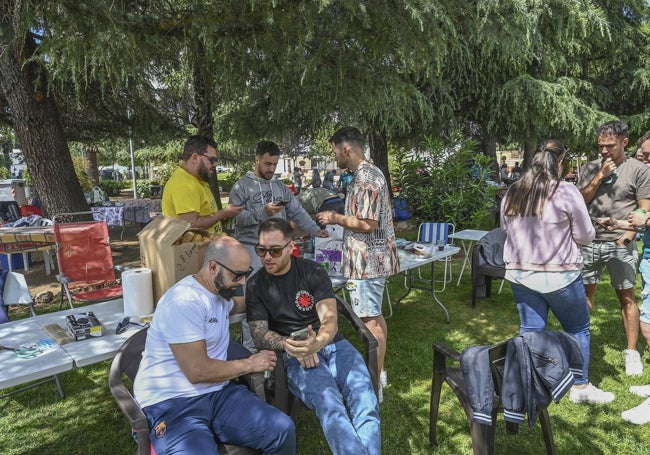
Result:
{"points": [[274, 251], [236, 276]]}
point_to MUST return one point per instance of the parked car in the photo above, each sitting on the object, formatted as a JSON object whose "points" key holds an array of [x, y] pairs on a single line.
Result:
{"points": [[224, 169]]}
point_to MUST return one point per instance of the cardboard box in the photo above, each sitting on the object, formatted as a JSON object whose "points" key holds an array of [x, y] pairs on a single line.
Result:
{"points": [[168, 261], [83, 325]]}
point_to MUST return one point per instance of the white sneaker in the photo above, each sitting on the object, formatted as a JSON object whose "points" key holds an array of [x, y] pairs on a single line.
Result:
{"points": [[383, 378], [380, 395], [633, 365], [639, 415], [590, 394], [641, 390]]}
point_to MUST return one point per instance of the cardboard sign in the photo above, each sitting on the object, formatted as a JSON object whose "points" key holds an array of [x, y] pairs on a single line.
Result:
{"points": [[168, 260]]}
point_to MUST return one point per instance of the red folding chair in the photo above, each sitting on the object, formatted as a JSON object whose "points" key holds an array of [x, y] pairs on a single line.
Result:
{"points": [[85, 259]]}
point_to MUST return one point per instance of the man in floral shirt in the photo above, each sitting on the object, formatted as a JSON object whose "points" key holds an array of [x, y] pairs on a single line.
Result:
{"points": [[369, 248]]}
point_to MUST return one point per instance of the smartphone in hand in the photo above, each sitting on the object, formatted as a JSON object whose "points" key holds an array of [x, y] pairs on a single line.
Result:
{"points": [[283, 203], [300, 335]]}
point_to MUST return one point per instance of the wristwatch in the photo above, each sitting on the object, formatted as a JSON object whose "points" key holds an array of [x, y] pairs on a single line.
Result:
{"points": [[626, 241]]}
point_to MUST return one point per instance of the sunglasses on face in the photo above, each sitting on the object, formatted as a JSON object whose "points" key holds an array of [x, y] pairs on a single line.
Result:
{"points": [[274, 251], [236, 276], [212, 159]]}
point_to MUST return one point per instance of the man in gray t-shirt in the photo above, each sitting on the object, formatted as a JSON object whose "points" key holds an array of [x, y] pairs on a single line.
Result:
{"points": [[613, 187]]}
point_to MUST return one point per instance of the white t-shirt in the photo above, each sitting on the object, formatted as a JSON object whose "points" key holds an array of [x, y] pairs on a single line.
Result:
{"points": [[187, 312]]}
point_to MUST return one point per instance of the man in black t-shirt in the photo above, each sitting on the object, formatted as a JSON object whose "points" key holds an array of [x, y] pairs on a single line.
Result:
{"points": [[324, 370]]}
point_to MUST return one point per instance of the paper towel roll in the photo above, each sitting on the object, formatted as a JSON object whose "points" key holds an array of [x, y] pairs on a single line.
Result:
{"points": [[137, 292]]}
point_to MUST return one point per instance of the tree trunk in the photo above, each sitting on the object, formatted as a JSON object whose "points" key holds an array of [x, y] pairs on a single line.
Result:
{"points": [[379, 154], [90, 157], [203, 119], [489, 147], [37, 124], [529, 150]]}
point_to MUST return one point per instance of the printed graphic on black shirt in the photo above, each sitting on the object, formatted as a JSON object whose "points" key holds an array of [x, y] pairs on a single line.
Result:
{"points": [[304, 300]]}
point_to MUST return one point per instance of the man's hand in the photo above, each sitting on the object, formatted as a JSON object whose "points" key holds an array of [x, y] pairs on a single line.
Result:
{"points": [[262, 361], [310, 361], [231, 211], [272, 209], [326, 217], [305, 351], [322, 233], [607, 167], [637, 219]]}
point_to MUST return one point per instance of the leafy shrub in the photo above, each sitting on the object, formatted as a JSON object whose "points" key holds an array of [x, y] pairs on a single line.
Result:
{"points": [[448, 182], [144, 188], [5, 173], [112, 188]]}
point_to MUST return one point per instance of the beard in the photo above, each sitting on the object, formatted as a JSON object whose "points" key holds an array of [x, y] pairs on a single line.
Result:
{"points": [[205, 173], [227, 292]]}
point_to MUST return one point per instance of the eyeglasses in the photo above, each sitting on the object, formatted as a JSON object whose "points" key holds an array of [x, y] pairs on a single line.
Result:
{"points": [[212, 159], [236, 276], [274, 251]]}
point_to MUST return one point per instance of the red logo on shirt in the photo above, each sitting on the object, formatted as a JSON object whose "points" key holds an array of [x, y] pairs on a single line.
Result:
{"points": [[304, 301]]}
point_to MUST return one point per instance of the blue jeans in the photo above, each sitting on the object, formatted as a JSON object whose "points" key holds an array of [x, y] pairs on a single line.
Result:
{"points": [[569, 305], [234, 414], [340, 391]]}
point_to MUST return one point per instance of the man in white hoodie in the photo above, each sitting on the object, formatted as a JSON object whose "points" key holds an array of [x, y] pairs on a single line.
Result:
{"points": [[263, 196]]}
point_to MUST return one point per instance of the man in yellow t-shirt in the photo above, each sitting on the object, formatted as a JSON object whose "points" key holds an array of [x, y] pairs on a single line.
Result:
{"points": [[187, 194]]}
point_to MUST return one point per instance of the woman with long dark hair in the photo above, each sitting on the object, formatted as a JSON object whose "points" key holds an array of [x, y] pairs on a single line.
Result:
{"points": [[546, 223]]}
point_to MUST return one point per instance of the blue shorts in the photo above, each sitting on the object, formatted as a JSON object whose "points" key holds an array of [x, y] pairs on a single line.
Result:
{"points": [[366, 296]]}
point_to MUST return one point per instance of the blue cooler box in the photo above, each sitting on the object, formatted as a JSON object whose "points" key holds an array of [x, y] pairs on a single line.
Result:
{"points": [[16, 261]]}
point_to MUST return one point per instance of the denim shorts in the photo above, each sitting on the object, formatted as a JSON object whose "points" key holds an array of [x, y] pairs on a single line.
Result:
{"points": [[621, 263], [366, 296]]}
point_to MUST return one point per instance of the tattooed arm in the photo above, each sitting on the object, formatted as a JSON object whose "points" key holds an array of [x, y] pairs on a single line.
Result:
{"points": [[265, 338]]}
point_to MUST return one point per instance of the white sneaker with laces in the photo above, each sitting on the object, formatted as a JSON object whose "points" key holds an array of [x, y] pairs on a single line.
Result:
{"points": [[639, 415], [590, 394], [383, 378], [633, 365], [641, 390]]}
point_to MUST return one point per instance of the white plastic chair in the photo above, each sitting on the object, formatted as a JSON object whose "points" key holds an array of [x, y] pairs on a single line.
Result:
{"points": [[16, 291], [435, 233]]}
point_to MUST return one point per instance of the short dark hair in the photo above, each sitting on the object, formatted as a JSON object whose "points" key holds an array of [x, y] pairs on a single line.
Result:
{"points": [[616, 127], [270, 147], [197, 144], [644, 138], [348, 134], [277, 224]]}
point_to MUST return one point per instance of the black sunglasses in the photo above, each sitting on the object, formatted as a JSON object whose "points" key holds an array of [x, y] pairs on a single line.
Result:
{"points": [[236, 276], [212, 159], [125, 323], [274, 251]]}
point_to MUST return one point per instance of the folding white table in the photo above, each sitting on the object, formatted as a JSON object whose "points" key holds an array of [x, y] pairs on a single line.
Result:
{"points": [[16, 371], [94, 349], [408, 262], [467, 237], [58, 359]]}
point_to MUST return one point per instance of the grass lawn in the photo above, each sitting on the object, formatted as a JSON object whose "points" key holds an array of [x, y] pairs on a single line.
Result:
{"points": [[88, 421]]}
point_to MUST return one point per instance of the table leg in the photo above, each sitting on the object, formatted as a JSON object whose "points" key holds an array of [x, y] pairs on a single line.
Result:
{"points": [[430, 288], [466, 249]]}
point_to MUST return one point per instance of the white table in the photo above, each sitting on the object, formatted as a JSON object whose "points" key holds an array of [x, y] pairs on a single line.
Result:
{"points": [[408, 262], [467, 237], [63, 358], [16, 371], [93, 350]]}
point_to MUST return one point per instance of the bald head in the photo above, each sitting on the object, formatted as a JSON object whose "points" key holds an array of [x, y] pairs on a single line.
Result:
{"points": [[224, 248]]}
